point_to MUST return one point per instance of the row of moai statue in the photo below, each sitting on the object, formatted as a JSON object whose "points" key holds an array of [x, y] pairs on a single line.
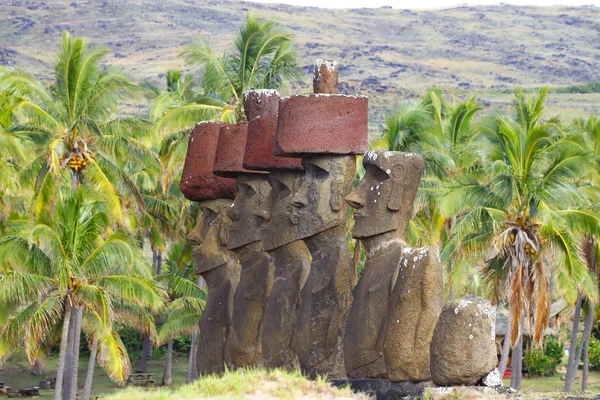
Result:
{"points": [[271, 242]]}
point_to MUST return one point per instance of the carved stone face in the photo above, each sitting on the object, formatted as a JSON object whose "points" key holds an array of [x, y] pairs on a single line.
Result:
{"points": [[209, 236], [281, 222], [246, 219], [384, 197], [327, 180]]}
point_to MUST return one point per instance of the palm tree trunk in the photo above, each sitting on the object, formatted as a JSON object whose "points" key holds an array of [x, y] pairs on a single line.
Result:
{"points": [[62, 355], [192, 369], [571, 365], [517, 365], [146, 353], [154, 260], [505, 351], [585, 342], [89, 377], [75, 359], [168, 375], [69, 359], [158, 262]]}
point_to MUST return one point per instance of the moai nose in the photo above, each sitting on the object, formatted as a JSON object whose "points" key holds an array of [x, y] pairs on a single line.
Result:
{"points": [[355, 200], [194, 237], [233, 213], [263, 214]]}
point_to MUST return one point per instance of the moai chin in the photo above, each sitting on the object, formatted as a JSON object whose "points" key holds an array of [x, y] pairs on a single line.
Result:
{"points": [[279, 229], [383, 201], [214, 262], [326, 130], [256, 277]]}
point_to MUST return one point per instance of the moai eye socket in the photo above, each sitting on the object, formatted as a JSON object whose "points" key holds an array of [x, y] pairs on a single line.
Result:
{"points": [[321, 174]]}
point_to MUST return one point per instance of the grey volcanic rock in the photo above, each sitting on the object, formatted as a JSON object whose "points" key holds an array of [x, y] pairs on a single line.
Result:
{"points": [[463, 348]]}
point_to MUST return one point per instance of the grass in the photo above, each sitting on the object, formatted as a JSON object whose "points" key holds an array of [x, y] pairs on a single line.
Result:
{"points": [[252, 384], [246, 384], [16, 373]]}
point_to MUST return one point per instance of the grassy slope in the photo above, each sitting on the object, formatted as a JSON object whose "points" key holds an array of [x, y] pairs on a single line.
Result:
{"points": [[389, 54]]}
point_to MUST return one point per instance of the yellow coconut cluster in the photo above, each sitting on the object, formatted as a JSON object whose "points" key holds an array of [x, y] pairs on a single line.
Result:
{"points": [[78, 163]]}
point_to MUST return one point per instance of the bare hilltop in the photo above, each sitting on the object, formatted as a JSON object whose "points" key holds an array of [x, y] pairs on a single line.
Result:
{"points": [[389, 54]]}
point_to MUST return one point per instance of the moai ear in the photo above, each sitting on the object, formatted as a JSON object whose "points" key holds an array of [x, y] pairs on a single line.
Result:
{"points": [[336, 175], [397, 179], [225, 222]]}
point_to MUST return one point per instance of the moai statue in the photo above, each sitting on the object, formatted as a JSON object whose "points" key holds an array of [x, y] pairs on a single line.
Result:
{"points": [[217, 265], [256, 278], [326, 130], [383, 201], [417, 296], [290, 256]]}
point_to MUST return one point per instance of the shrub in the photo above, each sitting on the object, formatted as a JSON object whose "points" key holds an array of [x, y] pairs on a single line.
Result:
{"points": [[554, 349], [539, 364], [594, 353]]}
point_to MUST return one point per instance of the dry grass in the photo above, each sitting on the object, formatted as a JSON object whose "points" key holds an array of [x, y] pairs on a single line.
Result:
{"points": [[246, 384]]}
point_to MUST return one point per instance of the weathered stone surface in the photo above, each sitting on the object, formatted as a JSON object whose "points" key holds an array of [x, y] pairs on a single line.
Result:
{"points": [[261, 102], [493, 379], [292, 264], [256, 281], [383, 201], [197, 180], [463, 347], [219, 268], [260, 146], [325, 76], [229, 157], [416, 303], [253, 191], [256, 278], [322, 124], [327, 294]]}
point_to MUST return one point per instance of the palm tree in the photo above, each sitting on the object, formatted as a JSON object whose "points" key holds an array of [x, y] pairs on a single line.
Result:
{"points": [[186, 304], [263, 58], [589, 244], [71, 123], [524, 206], [72, 262]]}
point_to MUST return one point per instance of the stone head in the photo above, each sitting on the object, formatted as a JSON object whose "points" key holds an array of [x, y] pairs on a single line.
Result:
{"points": [[384, 197], [320, 198], [246, 210], [210, 235], [280, 225]]}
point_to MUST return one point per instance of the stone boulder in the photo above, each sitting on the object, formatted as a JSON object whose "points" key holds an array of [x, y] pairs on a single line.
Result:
{"points": [[463, 349]]}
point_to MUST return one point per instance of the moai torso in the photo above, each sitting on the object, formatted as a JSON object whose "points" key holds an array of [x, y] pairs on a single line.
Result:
{"points": [[291, 258], [220, 270], [326, 301], [363, 342], [415, 305]]}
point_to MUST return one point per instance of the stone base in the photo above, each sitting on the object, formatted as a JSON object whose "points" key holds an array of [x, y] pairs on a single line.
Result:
{"points": [[384, 389]]}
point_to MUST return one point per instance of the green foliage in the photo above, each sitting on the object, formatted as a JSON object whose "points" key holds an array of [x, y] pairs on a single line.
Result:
{"points": [[554, 349], [594, 353], [537, 363], [590, 87]]}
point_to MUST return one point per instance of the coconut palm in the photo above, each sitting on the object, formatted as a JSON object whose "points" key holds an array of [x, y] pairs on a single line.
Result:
{"points": [[263, 58], [186, 304], [71, 123], [589, 244], [71, 262], [524, 206]]}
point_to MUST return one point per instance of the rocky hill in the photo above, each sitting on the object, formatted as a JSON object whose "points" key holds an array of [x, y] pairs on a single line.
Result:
{"points": [[389, 54]]}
